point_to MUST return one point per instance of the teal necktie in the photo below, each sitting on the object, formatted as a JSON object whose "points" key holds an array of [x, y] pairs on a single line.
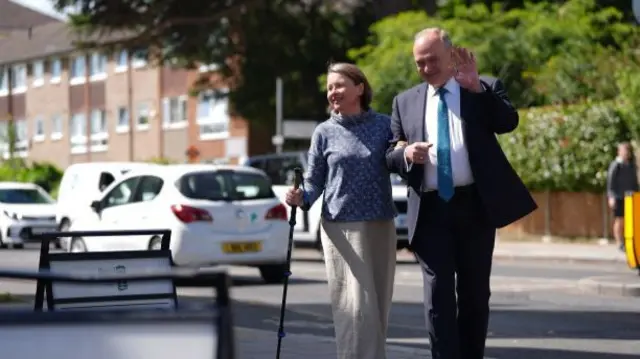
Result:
{"points": [[445, 172]]}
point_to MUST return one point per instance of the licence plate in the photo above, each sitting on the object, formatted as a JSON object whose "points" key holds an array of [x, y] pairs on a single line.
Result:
{"points": [[36, 230], [241, 247]]}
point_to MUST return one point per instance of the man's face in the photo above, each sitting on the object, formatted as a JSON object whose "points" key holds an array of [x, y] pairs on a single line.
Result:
{"points": [[433, 59]]}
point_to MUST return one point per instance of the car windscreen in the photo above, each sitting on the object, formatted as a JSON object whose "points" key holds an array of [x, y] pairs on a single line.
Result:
{"points": [[225, 186], [23, 196]]}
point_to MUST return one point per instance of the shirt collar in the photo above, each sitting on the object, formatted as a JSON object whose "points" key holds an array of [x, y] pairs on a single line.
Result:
{"points": [[452, 87]]}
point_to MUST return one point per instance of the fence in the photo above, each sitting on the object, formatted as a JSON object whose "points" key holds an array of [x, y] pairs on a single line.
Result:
{"points": [[565, 214]]}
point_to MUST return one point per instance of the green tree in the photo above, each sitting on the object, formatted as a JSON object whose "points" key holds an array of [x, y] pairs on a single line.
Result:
{"points": [[545, 53], [252, 42]]}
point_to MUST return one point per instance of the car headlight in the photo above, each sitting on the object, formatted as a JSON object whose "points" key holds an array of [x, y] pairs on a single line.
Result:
{"points": [[12, 215]]}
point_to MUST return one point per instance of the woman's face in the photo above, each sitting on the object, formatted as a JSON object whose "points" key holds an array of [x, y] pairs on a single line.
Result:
{"points": [[343, 95]]}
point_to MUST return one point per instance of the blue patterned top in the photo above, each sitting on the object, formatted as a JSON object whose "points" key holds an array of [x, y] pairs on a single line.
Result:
{"points": [[347, 164]]}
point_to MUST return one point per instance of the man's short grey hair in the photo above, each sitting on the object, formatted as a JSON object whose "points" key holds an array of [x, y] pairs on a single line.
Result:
{"points": [[444, 35]]}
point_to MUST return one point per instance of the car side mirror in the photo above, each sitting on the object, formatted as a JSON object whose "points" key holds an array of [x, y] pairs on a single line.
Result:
{"points": [[96, 206]]}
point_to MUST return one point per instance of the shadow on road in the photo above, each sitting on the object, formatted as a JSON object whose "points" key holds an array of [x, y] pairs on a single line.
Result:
{"points": [[247, 281], [533, 353], [407, 323]]}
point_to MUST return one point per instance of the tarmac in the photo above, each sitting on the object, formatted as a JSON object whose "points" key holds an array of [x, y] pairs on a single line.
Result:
{"points": [[260, 344]]}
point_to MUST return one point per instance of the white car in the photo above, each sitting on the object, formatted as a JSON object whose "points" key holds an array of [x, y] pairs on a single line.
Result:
{"points": [[216, 214], [25, 208], [83, 182]]}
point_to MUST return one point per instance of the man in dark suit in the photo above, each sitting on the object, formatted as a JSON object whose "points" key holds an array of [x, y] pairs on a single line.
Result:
{"points": [[461, 187]]}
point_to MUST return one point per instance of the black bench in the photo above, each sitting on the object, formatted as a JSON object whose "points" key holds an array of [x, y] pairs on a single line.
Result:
{"points": [[205, 332], [157, 293]]}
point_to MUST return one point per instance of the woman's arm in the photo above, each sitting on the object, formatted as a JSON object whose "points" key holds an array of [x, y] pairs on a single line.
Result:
{"points": [[317, 169]]}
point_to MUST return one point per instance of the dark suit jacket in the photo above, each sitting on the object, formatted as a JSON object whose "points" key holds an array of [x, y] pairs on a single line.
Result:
{"points": [[485, 114]]}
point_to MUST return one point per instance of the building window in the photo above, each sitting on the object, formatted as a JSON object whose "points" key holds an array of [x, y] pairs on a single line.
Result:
{"points": [[139, 58], [4, 81], [121, 59], [144, 114], [208, 68], [38, 73], [78, 133], [38, 129], [19, 78], [56, 127], [123, 119], [22, 139], [98, 66], [213, 117], [78, 70], [174, 112], [19, 137], [56, 70], [99, 132], [4, 138]]}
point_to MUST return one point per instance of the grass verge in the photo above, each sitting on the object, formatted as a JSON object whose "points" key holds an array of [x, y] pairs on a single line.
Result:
{"points": [[7, 297]]}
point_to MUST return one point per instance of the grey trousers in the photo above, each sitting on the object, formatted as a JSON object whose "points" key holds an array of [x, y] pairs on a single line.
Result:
{"points": [[360, 259]]}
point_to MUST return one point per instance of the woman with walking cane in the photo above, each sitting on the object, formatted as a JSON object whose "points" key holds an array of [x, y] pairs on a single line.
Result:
{"points": [[347, 166]]}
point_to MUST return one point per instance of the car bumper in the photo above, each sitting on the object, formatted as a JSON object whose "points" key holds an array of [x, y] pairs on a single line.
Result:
{"points": [[196, 248], [402, 232], [20, 232]]}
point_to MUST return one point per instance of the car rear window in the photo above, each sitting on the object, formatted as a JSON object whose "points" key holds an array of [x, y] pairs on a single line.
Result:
{"points": [[225, 186]]}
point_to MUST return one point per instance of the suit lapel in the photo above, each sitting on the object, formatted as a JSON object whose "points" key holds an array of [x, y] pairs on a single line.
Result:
{"points": [[464, 100], [422, 107]]}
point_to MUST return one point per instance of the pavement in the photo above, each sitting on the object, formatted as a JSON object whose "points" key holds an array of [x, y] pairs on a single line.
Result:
{"points": [[626, 284], [559, 251]]}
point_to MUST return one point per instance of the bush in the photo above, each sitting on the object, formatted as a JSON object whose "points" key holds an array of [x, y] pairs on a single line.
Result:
{"points": [[566, 148], [45, 175]]}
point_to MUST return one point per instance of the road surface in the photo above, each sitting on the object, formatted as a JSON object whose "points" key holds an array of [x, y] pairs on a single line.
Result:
{"points": [[538, 311]]}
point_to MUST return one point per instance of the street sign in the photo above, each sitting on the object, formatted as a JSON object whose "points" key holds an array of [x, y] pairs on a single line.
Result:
{"points": [[299, 129], [635, 5], [277, 140]]}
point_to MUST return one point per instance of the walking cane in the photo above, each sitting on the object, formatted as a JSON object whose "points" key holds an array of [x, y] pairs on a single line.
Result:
{"points": [[292, 223]]}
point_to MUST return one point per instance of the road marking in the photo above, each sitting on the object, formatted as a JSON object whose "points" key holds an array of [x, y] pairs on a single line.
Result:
{"points": [[600, 345], [413, 278]]}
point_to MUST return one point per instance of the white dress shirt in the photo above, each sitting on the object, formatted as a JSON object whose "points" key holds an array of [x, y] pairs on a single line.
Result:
{"points": [[462, 175]]}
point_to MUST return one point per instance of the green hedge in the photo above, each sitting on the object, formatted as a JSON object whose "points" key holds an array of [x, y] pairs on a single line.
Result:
{"points": [[46, 175], [566, 148]]}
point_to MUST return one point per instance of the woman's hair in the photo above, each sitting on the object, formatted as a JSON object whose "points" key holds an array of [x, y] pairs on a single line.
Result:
{"points": [[356, 75]]}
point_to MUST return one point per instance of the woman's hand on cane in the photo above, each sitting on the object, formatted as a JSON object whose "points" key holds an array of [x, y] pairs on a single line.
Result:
{"points": [[294, 197]]}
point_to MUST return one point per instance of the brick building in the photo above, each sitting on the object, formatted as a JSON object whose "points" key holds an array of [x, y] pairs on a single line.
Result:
{"points": [[70, 106]]}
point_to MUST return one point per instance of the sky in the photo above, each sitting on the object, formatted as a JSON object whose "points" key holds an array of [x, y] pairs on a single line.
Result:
{"points": [[44, 6]]}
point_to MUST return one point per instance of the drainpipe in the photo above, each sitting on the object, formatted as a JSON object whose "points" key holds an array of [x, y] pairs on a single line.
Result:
{"points": [[160, 110], [87, 103], [11, 137], [130, 103]]}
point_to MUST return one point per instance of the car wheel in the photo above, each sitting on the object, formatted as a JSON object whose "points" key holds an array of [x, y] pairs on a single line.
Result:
{"points": [[64, 227], [77, 246], [2, 244], [18, 246], [273, 273], [155, 244]]}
